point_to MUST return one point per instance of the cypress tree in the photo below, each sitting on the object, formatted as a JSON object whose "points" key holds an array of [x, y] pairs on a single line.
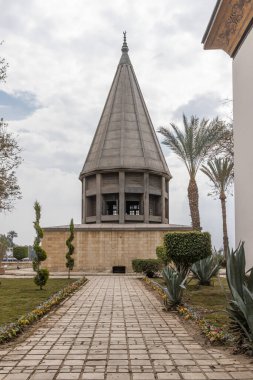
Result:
{"points": [[70, 261], [42, 274]]}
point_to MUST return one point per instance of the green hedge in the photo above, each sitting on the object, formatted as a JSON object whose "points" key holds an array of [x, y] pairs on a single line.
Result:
{"points": [[147, 266], [20, 252], [162, 255], [185, 248]]}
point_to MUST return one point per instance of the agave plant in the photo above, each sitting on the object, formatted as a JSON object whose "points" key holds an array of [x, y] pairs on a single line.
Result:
{"points": [[240, 308], [174, 281], [205, 269]]}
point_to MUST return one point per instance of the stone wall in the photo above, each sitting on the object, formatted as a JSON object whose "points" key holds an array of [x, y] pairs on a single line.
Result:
{"points": [[98, 250]]}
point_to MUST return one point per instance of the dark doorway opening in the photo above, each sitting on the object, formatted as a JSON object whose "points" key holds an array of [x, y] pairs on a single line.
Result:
{"points": [[119, 269]]}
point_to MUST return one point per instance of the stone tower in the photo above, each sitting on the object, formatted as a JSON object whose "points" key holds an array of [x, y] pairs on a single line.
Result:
{"points": [[125, 178]]}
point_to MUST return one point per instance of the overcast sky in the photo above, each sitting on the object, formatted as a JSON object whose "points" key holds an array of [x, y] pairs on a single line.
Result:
{"points": [[62, 57]]}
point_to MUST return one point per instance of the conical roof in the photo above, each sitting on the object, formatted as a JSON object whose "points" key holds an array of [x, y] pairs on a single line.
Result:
{"points": [[125, 137]]}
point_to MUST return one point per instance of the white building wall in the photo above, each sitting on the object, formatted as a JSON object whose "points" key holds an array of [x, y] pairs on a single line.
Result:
{"points": [[243, 135]]}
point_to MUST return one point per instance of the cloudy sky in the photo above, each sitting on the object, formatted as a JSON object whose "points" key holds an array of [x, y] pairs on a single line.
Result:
{"points": [[62, 57]]}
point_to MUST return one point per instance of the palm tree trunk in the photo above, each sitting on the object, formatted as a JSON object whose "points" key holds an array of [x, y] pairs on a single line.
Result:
{"points": [[193, 196], [224, 220]]}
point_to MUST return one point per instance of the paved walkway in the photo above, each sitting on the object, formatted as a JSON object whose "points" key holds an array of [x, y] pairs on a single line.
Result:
{"points": [[114, 329]]}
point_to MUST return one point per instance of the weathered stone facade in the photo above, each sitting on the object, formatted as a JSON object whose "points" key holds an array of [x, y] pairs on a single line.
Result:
{"points": [[99, 248]]}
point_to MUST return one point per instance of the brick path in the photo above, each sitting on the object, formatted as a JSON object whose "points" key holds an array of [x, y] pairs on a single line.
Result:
{"points": [[114, 329]]}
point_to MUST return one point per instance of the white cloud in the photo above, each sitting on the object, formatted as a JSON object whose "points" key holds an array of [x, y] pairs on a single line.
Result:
{"points": [[66, 53]]}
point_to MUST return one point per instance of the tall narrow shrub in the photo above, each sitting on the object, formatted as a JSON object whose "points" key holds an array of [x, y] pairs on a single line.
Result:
{"points": [[42, 274], [70, 261]]}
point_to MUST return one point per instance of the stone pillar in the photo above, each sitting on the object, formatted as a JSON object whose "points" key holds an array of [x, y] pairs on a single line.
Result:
{"points": [[146, 197], [83, 201], [163, 200], [168, 188], [121, 197], [98, 198]]}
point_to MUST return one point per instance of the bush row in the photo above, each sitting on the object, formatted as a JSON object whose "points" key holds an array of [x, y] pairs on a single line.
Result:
{"points": [[149, 267]]}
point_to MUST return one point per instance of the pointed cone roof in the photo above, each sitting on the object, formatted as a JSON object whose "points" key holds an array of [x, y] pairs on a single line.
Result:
{"points": [[125, 137]]}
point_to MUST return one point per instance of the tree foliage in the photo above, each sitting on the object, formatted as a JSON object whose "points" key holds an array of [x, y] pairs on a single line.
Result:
{"points": [[3, 68], [10, 236], [10, 159], [20, 252], [192, 145], [225, 146], [70, 261], [40, 255], [186, 248], [4, 245]]}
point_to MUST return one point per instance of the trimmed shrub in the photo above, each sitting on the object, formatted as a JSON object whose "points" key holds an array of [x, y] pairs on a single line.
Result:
{"points": [[185, 248], [162, 255], [41, 277], [20, 252], [147, 266]]}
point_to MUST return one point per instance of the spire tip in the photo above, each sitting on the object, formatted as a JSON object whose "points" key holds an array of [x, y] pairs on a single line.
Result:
{"points": [[124, 48]]}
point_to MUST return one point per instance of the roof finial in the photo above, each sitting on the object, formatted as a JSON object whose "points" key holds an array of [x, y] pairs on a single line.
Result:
{"points": [[124, 48]]}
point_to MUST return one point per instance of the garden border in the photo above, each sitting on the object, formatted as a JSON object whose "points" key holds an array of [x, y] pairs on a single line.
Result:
{"points": [[212, 333]]}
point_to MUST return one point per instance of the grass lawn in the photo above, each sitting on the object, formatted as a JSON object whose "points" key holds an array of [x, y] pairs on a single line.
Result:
{"points": [[19, 296], [210, 301]]}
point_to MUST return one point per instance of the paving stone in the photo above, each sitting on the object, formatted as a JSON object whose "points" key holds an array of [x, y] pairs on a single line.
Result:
{"points": [[242, 375], [168, 376], [93, 376], [17, 376], [218, 376], [194, 376], [143, 376], [46, 376], [118, 376], [67, 376]]}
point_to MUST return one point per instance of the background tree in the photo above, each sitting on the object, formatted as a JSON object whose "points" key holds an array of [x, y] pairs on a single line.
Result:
{"points": [[11, 235], [192, 145], [9, 159], [225, 146], [70, 261], [20, 252], [40, 255], [4, 245], [3, 67], [220, 173]]}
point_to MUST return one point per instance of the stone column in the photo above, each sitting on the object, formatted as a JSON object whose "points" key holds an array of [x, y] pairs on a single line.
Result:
{"points": [[163, 200], [146, 197], [83, 201], [168, 188], [121, 197], [98, 198]]}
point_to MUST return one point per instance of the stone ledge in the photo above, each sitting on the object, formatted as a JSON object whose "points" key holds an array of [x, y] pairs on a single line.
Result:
{"points": [[122, 227]]}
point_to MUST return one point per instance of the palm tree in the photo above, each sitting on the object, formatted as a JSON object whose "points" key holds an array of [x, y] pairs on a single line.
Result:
{"points": [[220, 172], [192, 146]]}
